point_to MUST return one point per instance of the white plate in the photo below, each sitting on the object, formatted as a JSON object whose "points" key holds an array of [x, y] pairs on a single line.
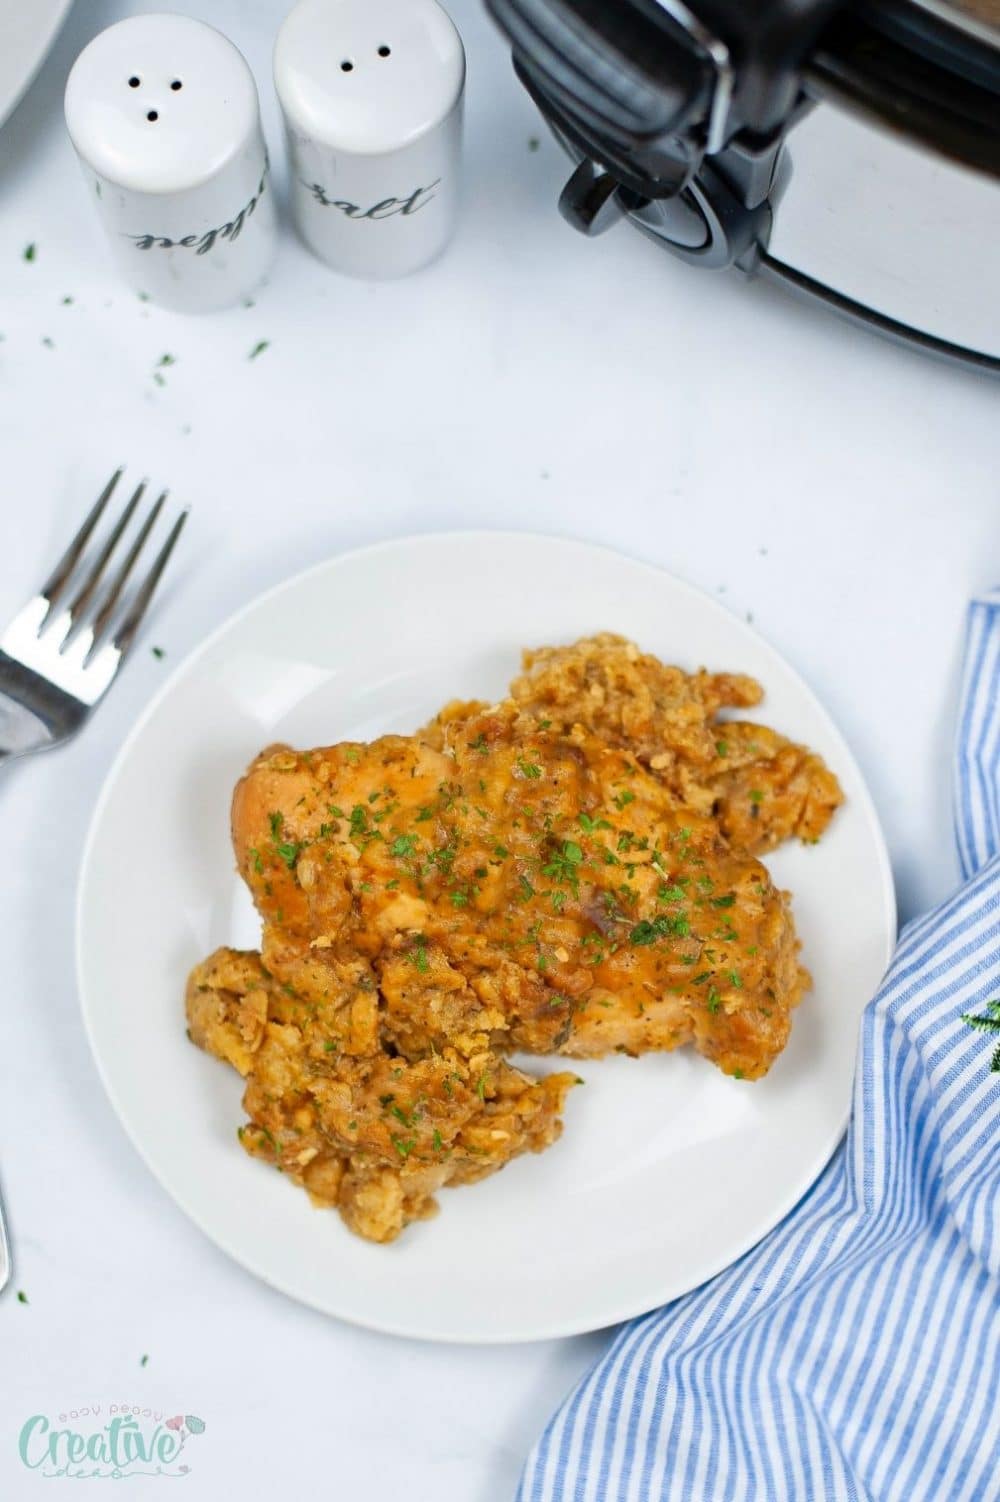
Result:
{"points": [[27, 30], [667, 1170]]}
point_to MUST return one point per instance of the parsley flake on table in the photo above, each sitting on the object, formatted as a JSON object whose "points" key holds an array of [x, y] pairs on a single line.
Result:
{"points": [[30, 252], [22, 1297], [259, 348]]}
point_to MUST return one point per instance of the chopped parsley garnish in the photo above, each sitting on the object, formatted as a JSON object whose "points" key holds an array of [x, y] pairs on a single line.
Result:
{"points": [[404, 845], [418, 954], [624, 798], [648, 931], [756, 796], [987, 1022], [286, 850], [726, 901], [722, 748], [590, 825], [563, 865], [443, 858], [714, 1000], [528, 769]]}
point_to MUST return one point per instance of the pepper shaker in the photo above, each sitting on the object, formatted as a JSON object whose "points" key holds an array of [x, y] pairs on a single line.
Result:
{"points": [[164, 115], [372, 94]]}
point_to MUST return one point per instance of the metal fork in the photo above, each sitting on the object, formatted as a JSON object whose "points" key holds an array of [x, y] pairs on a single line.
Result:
{"points": [[59, 655], [61, 652]]}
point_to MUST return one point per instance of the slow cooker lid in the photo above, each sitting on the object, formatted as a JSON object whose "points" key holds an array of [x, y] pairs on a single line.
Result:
{"points": [[978, 17], [648, 89]]}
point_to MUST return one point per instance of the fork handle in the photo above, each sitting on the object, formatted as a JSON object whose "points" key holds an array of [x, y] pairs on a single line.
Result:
{"points": [[6, 1266]]}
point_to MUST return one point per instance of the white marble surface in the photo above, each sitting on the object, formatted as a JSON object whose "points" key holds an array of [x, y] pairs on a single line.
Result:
{"points": [[841, 490]]}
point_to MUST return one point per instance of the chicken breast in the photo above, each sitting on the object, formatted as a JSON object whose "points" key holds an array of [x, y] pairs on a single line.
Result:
{"points": [[573, 872], [356, 1126], [760, 787], [519, 889]]}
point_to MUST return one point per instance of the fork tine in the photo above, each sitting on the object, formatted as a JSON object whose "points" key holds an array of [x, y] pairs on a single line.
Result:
{"points": [[118, 584], [87, 589], [59, 577], [130, 625]]}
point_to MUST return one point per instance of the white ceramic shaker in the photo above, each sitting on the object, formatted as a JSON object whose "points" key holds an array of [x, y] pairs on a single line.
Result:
{"points": [[372, 94], [164, 115]]}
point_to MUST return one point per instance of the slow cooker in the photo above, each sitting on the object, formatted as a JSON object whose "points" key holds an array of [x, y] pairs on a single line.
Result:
{"points": [[849, 148]]}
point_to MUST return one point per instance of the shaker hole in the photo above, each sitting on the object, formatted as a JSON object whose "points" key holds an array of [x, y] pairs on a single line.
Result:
{"points": [[385, 51], [176, 85], [133, 82], [153, 115], [347, 66]]}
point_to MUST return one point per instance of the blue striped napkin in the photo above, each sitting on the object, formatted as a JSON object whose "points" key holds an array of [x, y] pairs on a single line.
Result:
{"points": [[855, 1353]]}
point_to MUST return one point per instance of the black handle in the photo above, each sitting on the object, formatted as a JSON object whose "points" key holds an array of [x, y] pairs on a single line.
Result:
{"points": [[628, 73]]}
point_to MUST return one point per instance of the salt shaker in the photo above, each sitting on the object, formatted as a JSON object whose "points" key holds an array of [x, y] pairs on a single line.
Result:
{"points": [[164, 115], [372, 94]]}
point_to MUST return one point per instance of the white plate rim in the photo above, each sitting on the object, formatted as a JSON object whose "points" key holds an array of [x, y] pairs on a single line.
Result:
{"points": [[617, 1312]]}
